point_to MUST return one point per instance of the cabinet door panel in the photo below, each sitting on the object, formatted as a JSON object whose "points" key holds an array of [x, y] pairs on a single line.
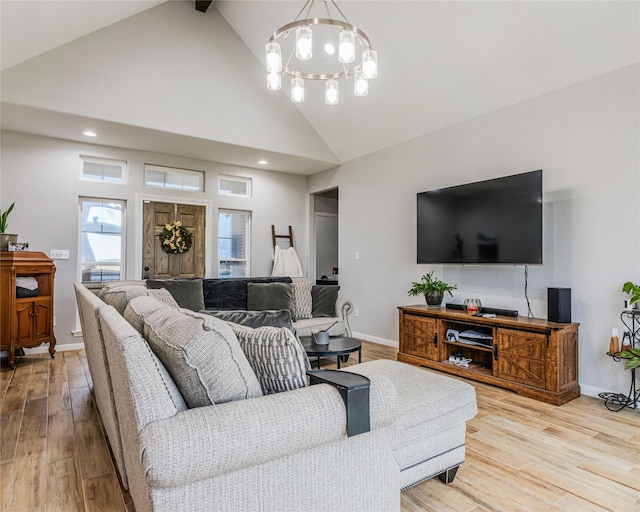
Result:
{"points": [[419, 337], [42, 320], [522, 357], [24, 323]]}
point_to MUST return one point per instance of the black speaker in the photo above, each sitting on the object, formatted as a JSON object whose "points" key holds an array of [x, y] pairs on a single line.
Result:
{"points": [[559, 305]]}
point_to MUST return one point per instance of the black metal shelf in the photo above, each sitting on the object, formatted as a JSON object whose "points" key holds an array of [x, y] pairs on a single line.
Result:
{"points": [[617, 401]]}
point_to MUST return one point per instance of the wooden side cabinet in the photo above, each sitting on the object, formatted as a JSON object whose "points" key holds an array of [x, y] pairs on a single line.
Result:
{"points": [[26, 322], [530, 356]]}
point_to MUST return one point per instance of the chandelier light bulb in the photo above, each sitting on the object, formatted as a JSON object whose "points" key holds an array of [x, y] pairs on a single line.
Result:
{"points": [[274, 81], [360, 84], [331, 92], [297, 89], [303, 42], [347, 46], [273, 57], [369, 64]]}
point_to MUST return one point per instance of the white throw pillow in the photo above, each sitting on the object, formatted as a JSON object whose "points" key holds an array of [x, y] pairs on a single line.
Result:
{"points": [[302, 297]]}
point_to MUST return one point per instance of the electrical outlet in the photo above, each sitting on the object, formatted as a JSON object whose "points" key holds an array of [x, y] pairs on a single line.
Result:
{"points": [[54, 321], [356, 312], [357, 255], [59, 254]]}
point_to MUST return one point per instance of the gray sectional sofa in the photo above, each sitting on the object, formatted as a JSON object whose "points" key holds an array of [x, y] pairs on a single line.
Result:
{"points": [[194, 421], [311, 306]]}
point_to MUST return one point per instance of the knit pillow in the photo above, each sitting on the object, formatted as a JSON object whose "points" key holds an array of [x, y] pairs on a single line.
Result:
{"points": [[276, 356], [202, 355], [302, 296]]}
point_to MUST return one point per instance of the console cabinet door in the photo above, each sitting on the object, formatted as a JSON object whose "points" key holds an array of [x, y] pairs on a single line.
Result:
{"points": [[23, 324], [522, 357], [419, 337]]}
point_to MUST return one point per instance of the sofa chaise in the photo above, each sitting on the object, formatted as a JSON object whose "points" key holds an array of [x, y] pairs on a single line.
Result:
{"points": [[261, 450]]}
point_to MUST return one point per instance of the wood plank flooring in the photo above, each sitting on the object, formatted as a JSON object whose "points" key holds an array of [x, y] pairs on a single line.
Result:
{"points": [[522, 455]]}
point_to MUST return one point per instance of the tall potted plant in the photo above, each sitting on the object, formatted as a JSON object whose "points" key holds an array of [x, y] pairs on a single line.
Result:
{"points": [[432, 288], [5, 237]]}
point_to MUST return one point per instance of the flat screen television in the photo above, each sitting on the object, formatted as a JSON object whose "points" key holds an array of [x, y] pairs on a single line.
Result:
{"points": [[497, 221]]}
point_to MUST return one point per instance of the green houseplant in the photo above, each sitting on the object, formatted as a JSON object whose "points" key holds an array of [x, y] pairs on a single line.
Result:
{"points": [[432, 288], [633, 358], [633, 290], [5, 237], [4, 215]]}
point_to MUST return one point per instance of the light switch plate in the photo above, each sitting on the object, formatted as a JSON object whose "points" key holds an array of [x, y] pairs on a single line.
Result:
{"points": [[59, 254]]}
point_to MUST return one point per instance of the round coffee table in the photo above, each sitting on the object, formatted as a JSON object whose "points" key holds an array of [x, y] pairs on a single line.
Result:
{"points": [[338, 346]]}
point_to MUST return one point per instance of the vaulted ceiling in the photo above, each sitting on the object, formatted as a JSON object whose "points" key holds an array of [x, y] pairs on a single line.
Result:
{"points": [[163, 77]]}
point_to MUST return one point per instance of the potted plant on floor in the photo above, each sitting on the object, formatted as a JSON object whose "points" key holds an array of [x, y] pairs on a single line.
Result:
{"points": [[5, 237], [432, 288]]}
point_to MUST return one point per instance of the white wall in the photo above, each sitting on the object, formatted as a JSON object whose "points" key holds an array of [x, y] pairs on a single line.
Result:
{"points": [[586, 138], [42, 176]]}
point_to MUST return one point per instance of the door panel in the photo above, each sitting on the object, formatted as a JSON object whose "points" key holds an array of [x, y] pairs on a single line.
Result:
{"points": [[156, 264]]}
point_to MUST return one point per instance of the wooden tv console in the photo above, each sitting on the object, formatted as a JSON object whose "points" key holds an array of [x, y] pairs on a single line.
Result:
{"points": [[530, 356]]}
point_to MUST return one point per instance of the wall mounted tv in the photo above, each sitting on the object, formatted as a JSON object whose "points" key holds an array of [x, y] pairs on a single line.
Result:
{"points": [[496, 221]]}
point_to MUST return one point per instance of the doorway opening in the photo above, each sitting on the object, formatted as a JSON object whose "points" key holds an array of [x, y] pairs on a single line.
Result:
{"points": [[325, 214]]}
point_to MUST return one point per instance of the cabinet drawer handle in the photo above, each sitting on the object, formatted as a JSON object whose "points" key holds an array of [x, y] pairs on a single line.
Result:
{"points": [[495, 352], [435, 339]]}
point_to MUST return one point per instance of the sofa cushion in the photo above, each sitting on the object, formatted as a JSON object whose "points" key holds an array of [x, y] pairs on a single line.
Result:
{"points": [[231, 293], [202, 355], [302, 297], [276, 356], [119, 296], [280, 318], [324, 299], [271, 296], [187, 292]]}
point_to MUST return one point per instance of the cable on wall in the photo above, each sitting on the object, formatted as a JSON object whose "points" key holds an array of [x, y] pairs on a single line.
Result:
{"points": [[526, 285]]}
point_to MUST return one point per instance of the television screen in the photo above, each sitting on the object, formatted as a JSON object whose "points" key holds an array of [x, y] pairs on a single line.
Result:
{"points": [[495, 221]]}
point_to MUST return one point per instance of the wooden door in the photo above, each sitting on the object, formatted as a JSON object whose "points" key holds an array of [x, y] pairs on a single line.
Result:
{"points": [[156, 264]]}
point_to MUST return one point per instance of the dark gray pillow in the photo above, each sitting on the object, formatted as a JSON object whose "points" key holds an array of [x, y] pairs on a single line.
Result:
{"points": [[323, 300], [254, 319], [272, 296], [187, 292]]}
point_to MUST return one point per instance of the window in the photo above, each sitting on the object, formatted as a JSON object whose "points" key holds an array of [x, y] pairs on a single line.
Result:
{"points": [[101, 239], [233, 243], [177, 179], [234, 186], [101, 169]]}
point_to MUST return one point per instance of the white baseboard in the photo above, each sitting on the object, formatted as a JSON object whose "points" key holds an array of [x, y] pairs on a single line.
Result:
{"points": [[375, 339], [45, 348]]}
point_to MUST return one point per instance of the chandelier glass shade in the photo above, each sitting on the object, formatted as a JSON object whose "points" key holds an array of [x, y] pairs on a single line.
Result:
{"points": [[309, 46]]}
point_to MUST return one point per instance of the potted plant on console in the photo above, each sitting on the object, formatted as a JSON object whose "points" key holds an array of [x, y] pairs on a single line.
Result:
{"points": [[432, 288]]}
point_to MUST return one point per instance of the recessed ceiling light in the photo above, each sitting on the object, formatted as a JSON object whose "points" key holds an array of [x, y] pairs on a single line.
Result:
{"points": [[89, 133], [263, 162]]}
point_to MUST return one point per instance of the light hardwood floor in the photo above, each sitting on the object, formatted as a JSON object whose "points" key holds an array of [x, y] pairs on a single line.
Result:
{"points": [[522, 455]]}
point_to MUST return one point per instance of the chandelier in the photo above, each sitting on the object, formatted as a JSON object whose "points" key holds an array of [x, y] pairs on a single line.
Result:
{"points": [[311, 55]]}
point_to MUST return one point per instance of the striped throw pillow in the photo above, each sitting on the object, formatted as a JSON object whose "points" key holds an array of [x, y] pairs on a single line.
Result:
{"points": [[275, 355]]}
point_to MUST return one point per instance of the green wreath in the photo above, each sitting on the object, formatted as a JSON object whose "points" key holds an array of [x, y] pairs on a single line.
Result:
{"points": [[175, 238]]}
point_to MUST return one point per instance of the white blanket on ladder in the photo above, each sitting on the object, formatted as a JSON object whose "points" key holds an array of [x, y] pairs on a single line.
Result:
{"points": [[286, 262]]}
